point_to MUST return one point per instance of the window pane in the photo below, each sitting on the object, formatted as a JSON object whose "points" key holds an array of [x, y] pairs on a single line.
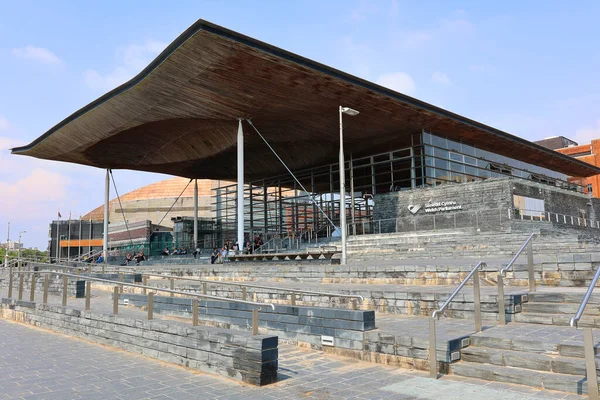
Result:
{"points": [[401, 153], [383, 157], [470, 160], [456, 157], [452, 145], [441, 163], [438, 141], [456, 167], [469, 150], [426, 138], [440, 153]]}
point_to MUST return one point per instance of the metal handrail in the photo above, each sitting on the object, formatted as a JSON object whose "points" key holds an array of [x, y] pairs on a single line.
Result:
{"points": [[474, 271], [502, 273], [511, 263], [300, 291], [477, 310], [575, 319], [588, 341], [118, 287]]}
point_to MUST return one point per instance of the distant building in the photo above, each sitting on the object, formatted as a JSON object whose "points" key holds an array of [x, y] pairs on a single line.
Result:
{"points": [[556, 142], [69, 239], [590, 153], [12, 245]]}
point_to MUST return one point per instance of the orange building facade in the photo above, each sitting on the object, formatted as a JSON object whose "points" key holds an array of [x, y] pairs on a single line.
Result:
{"points": [[589, 153]]}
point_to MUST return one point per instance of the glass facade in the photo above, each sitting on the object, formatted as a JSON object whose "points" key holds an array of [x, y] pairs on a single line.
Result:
{"points": [[281, 207], [449, 161]]}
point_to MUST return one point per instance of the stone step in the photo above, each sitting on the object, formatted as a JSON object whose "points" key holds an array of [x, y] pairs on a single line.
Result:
{"points": [[530, 338], [565, 297], [586, 321], [558, 308], [530, 361], [521, 376]]}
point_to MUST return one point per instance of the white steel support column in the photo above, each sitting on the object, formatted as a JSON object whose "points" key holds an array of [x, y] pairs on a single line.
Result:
{"points": [[106, 204], [240, 184], [352, 200], [342, 192], [195, 214]]}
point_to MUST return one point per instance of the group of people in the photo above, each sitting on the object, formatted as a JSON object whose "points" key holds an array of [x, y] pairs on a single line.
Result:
{"points": [[139, 257], [219, 255], [175, 252], [99, 259]]}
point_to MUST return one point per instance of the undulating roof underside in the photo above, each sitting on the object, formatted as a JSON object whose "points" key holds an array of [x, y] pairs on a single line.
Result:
{"points": [[179, 115]]}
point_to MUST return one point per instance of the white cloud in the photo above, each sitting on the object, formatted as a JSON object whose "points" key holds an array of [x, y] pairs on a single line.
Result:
{"points": [[131, 59], [398, 81], [585, 135], [441, 78], [38, 54]]}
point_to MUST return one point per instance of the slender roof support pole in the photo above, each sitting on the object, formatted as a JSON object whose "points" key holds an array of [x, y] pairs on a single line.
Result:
{"points": [[195, 215], [240, 184], [106, 204], [342, 191], [352, 200]]}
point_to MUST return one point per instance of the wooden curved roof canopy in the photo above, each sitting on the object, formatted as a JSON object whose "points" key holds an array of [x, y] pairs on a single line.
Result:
{"points": [[179, 115]]}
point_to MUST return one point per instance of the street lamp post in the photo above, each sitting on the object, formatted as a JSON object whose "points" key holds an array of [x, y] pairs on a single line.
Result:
{"points": [[19, 249], [352, 113]]}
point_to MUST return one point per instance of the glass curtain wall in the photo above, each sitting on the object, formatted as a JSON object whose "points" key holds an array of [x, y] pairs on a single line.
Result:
{"points": [[278, 207], [450, 161]]}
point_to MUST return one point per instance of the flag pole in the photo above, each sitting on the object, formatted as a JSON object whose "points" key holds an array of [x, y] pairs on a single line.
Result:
{"points": [[69, 239], [58, 238]]}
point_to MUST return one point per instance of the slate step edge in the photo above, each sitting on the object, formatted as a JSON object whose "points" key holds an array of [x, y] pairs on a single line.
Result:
{"points": [[530, 361], [527, 345], [557, 319], [521, 376]]}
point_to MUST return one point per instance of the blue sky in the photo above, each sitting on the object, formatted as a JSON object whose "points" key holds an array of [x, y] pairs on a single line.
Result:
{"points": [[529, 68]]}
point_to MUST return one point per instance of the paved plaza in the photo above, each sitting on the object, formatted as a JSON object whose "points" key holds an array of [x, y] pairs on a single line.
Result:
{"points": [[38, 364]]}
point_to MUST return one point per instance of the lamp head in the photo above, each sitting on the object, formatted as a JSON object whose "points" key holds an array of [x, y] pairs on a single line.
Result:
{"points": [[349, 111]]}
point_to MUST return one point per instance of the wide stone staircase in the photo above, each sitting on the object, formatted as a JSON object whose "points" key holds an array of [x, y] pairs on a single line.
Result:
{"points": [[549, 357], [557, 309], [464, 243], [537, 348]]}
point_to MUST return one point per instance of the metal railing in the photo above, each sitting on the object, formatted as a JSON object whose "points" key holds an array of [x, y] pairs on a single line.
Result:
{"points": [[545, 216], [118, 289], [502, 273], [433, 370], [244, 287], [588, 341]]}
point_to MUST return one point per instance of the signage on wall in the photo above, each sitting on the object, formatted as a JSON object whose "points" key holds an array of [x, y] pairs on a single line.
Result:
{"points": [[437, 206]]}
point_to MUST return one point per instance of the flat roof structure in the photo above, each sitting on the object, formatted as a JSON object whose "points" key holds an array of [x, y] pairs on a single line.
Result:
{"points": [[179, 116]]}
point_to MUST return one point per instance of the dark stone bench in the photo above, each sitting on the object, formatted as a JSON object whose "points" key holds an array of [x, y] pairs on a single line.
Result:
{"points": [[309, 254]]}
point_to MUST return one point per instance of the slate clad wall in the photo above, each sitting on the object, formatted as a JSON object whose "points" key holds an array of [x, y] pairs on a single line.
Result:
{"points": [[293, 323], [490, 200], [234, 354], [559, 201], [484, 197]]}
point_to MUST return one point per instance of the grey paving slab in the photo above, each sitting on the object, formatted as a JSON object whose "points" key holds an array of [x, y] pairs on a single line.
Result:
{"points": [[44, 365]]}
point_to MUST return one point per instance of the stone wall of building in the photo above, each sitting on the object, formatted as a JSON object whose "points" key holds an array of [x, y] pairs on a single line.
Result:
{"points": [[483, 205]]}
